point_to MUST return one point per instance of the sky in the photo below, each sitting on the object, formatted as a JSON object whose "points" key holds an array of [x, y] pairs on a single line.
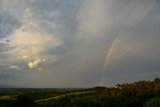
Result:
{"points": [[78, 43]]}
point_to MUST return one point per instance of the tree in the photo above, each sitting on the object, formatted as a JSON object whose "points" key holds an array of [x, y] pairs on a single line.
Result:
{"points": [[24, 101]]}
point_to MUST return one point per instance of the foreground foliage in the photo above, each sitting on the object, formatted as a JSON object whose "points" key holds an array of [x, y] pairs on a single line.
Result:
{"points": [[137, 94]]}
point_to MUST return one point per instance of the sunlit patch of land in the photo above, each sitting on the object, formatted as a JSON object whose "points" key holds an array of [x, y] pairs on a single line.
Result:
{"points": [[138, 94], [63, 96], [6, 97]]}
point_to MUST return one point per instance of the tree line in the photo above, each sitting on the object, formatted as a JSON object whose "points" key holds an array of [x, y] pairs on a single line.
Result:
{"points": [[138, 94]]}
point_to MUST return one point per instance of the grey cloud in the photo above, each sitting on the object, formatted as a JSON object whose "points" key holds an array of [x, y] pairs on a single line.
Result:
{"points": [[136, 55], [87, 29], [8, 23]]}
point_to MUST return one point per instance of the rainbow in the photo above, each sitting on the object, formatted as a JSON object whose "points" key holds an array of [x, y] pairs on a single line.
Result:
{"points": [[107, 58]]}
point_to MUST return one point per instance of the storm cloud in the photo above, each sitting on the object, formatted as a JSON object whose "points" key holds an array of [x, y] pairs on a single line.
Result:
{"points": [[78, 43]]}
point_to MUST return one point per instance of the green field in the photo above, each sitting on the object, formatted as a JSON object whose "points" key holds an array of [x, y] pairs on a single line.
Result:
{"points": [[137, 94]]}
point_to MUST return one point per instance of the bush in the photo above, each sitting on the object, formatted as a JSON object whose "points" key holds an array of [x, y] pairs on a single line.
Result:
{"points": [[154, 102], [24, 101]]}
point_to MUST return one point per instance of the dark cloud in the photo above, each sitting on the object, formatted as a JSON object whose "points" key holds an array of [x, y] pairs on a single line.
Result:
{"points": [[8, 23], [83, 34]]}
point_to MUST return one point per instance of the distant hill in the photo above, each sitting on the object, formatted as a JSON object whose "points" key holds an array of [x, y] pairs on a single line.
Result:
{"points": [[6, 86], [137, 94]]}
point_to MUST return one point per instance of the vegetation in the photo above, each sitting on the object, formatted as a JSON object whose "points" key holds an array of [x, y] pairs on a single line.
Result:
{"points": [[155, 102], [137, 94]]}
